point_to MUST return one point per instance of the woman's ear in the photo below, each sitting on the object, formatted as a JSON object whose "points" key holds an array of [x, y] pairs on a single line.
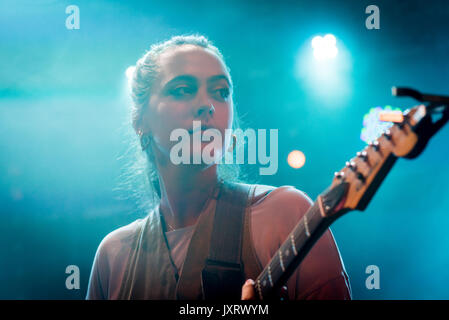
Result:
{"points": [[139, 128], [136, 127], [145, 140], [141, 123], [144, 136]]}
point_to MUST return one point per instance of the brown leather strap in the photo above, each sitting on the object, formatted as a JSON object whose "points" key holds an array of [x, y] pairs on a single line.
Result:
{"points": [[251, 264], [222, 276], [189, 284]]}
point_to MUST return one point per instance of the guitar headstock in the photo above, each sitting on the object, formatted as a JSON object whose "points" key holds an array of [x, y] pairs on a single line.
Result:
{"points": [[364, 173]]}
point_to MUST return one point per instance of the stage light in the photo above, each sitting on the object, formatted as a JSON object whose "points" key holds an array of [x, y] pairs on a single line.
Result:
{"points": [[296, 159], [324, 48], [324, 71]]}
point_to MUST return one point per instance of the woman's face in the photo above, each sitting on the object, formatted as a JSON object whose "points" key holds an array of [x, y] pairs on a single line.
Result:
{"points": [[192, 85]]}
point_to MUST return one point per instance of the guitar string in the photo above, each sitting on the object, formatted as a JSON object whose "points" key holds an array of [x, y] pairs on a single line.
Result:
{"points": [[275, 267]]}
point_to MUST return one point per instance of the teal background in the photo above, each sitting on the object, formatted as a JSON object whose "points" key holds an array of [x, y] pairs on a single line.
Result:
{"points": [[63, 109]]}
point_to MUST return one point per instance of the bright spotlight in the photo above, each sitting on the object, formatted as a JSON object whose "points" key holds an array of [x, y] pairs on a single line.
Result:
{"points": [[296, 159], [324, 48], [325, 70]]}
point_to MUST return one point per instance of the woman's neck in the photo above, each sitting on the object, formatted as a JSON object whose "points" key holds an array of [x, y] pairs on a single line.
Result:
{"points": [[185, 191]]}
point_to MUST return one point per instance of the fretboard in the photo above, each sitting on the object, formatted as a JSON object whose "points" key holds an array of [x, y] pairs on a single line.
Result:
{"points": [[294, 249]]}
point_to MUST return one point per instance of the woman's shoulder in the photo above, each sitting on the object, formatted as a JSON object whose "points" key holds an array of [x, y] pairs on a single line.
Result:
{"points": [[123, 236], [111, 259], [285, 203], [283, 195]]}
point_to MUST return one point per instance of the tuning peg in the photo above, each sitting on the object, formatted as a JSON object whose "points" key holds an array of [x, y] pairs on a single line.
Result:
{"points": [[339, 175], [361, 177], [387, 134], [351, 165], [405, 120], [363, 155], [375, 145]]}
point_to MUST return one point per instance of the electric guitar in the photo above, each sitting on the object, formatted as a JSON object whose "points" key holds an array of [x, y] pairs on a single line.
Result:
{"points": [[353, 187]]}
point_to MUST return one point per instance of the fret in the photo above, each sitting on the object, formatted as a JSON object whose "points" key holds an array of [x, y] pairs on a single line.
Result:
{"points": [[293, 244], [280, 260], [291, 251], [306, 225], [259, 289], [269, 275]]}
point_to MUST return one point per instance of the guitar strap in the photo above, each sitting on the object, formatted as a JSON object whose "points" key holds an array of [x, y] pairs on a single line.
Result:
{"points": [[214, 270], [223, 276]]}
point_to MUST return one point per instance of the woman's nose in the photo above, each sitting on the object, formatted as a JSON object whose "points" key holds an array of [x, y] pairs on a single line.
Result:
{"points": [[205, 111], [205, 107]]}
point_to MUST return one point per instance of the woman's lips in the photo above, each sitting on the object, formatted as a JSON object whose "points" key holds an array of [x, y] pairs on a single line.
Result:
{"points": [[198, 128]]}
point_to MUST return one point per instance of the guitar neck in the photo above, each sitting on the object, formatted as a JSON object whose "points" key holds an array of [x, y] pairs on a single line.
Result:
{"points": [[292, 252], [352, 189], [310, 228]]}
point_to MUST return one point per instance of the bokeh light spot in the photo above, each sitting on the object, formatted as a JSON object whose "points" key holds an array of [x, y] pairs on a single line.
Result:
{"points": [[373, 127], [296, 159]]}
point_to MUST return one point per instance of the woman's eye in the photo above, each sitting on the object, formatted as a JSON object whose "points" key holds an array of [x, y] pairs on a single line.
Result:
{"points": [[182, 91], [223, 93]]}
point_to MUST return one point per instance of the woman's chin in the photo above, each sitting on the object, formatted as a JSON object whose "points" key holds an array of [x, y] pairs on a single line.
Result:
{"points": [[203, 156]]}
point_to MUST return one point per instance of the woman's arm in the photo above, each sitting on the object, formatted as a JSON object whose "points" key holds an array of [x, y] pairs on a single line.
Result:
{"points": [[95, 289]]}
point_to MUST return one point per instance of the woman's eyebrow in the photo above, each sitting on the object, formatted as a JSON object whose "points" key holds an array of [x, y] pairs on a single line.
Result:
{"points": [[194, 80], [217, 78], [182, 78]]}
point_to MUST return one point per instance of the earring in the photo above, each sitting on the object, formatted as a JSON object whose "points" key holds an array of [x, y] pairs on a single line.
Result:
{"points": [[234, 143], [145, 140]]}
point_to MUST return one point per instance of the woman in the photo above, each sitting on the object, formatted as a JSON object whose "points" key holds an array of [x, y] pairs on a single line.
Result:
{"points": [[179, 81]]}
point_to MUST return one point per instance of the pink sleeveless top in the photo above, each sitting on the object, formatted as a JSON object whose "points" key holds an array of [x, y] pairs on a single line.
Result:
{"points": [[274, 213]]}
